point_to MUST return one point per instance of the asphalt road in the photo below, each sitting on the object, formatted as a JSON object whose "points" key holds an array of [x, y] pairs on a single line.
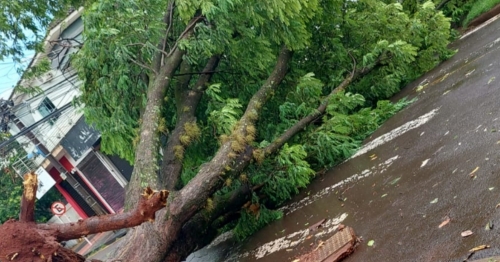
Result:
{"points": [[437, 159]]}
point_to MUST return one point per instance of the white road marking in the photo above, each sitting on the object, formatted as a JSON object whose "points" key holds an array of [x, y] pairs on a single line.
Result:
{"points": [[395, 133], [293, 239], [378, 169]]}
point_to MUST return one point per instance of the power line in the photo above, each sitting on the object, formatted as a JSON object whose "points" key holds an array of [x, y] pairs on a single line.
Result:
{"points": [[33, 126]]}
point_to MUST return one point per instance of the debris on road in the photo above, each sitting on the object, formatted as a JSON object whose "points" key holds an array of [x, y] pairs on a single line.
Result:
{"points": [[473, 171], [445, 222], [334, 249], [489, 226], [466, 233], [317, 225], [481, 247]]}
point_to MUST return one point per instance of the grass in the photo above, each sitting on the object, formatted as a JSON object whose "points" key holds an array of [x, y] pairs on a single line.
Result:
{"points": [[479, 7]]}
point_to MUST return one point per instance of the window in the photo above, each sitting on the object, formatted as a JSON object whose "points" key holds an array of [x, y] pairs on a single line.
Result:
{"points": [[46, 107]]}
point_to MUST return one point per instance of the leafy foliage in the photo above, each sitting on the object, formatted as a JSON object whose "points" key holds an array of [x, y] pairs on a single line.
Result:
{"points": [[251, 221], [345, 127], [477, 8], [224, 113], [11, 190], [23, 24], [379, 43]]}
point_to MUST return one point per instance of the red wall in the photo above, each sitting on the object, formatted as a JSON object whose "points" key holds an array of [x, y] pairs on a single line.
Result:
{"points": [[57, 177]]}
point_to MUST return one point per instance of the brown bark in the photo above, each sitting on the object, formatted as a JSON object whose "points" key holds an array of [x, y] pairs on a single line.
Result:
{"points": [[187, 101], [157, 241], [146, 162], [145, 210], [201, 230], [28, 199], [26, 241]]}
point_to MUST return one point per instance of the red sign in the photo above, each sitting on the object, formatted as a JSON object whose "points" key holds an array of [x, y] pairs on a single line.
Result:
{"points": [[58, 208]]}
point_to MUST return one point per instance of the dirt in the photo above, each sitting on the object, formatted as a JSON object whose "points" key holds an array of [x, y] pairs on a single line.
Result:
{"points": [[24, 242]]}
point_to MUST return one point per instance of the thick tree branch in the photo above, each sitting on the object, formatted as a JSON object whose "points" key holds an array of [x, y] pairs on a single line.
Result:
{"points": [[201, 229], [146, 164], [208, 176], [187, 102], [186, 31], [159, 57], [299, 126], [28, 199], [185, 203], [144, 211]]}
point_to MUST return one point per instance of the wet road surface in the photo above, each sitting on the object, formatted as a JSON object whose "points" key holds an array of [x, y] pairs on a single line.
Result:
{"points": [[438, 158]]}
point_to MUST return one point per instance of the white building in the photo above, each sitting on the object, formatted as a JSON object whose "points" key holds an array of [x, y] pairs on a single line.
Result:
{"points": [[55, 135]]}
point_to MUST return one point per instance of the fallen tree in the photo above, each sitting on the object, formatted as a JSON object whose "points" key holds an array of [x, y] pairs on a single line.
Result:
{"points": [[234, 105], [44, 239]]}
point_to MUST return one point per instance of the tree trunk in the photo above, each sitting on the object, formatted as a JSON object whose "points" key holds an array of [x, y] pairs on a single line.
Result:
{"points": [[146, 163], [200, 230], [146, 243], [187, 103], [146, 167]]}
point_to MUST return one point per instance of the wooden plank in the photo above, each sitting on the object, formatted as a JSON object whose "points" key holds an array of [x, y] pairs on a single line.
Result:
{"points": [[334, 249]]}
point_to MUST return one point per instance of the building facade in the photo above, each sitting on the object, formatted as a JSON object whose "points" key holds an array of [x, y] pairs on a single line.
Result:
{"points": [[60, 145]]}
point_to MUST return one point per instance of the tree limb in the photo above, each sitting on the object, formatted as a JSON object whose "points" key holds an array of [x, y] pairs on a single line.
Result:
{"points": [[187, 103], [189, 27], [201, 229], [186, 202], [144, 211], [159, 57], [299, 126], [146, 164], [170, 13], [143, 66], [442, 4]]}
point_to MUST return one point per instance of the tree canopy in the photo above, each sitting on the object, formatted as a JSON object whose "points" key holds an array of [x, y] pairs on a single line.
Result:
{"points": [[234, 105], [207, 97], [23, 24]]}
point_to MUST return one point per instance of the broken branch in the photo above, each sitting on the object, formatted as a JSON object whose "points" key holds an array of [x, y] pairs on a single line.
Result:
{"points": [[28, 199], [149, 203]]}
